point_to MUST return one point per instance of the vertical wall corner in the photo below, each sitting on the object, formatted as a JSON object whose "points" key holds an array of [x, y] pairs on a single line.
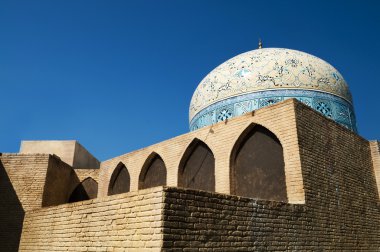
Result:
{"points": [[375, 153]]}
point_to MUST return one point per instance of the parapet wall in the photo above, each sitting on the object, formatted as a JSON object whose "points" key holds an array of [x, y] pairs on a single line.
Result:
{"points": [[216, 222], [132, 220], [175, 219], [204, 221]]}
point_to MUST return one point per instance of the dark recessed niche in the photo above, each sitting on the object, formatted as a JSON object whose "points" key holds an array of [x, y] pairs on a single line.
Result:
{"points": [[197, 167], [153, 172], [257, 165], [120, 180]]}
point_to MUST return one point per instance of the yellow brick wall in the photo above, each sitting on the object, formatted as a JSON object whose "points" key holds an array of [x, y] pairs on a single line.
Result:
{"points": [[221, 137], [131, 220], [22, 180], [340, 208], [85, 173], [27, 172], [375, 152]]}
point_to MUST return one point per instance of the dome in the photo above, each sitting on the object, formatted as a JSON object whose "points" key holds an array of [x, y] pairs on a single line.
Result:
{"points": [[262, 77]]}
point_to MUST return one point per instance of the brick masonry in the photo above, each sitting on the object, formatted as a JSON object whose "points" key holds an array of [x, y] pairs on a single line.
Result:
{"points": [[60, 181], [220, 138], [87, 173], [175, 219], [27, 173], [131, 220], [28, 182], [22, 179], [203, 221], [375, 152], [341, 210], [333, 199]]}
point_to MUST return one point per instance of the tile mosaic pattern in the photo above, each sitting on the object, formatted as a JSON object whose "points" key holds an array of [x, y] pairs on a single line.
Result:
{"points": [[266, 76], [331, 106], [266, 69]]}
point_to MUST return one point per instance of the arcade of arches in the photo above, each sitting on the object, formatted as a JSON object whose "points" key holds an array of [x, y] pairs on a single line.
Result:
{"points": [[256, 169]]}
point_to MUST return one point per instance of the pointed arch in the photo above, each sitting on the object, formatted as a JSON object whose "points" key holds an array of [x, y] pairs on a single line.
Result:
{"points": [[120, 180], [257, 167], [153, 172], [197, 167], [87, 189]]}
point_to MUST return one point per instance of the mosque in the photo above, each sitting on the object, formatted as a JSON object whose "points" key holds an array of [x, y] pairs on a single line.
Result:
{"points": [[273, 162]]}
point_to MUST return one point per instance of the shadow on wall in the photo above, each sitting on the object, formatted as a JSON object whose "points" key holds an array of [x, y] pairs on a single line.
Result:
{"points": [[61, 180], [11, 214], [62, 185], [87, 189]]}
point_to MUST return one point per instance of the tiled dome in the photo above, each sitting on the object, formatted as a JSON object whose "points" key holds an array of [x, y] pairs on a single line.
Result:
{"points": [[265, 76]]}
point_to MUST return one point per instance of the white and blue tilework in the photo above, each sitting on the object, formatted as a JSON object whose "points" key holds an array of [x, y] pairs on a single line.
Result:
{"points": [[262, 77], [329, 105]]}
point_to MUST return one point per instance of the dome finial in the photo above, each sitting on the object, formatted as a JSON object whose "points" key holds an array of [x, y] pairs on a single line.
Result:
{"points": [[260, 43]]}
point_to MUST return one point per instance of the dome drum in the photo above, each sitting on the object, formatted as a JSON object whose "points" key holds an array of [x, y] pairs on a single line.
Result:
{"points": [[329, 105]]}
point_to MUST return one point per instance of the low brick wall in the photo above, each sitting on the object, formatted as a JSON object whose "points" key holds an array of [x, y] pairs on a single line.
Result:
{"points": [[203, 221], [175, 219], [131, 220]]}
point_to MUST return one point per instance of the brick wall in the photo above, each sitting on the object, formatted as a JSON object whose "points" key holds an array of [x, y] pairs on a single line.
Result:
{"points": [[85, 173], [22, 179], [131, 220], [175, 219], [61, 180], [203, 221], [27, 182], [375, 152], [39, 179], [220, 138], [27, 172], [333, 200], [340, 187]]}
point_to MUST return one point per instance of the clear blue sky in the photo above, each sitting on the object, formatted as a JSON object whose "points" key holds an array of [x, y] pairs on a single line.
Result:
{"points": [[119, 75]]}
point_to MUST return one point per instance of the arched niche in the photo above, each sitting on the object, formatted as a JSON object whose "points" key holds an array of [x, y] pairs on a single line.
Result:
{"points": [[120, 180], [87, 189], [257, 167], [197, 167], [153, 172]]}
